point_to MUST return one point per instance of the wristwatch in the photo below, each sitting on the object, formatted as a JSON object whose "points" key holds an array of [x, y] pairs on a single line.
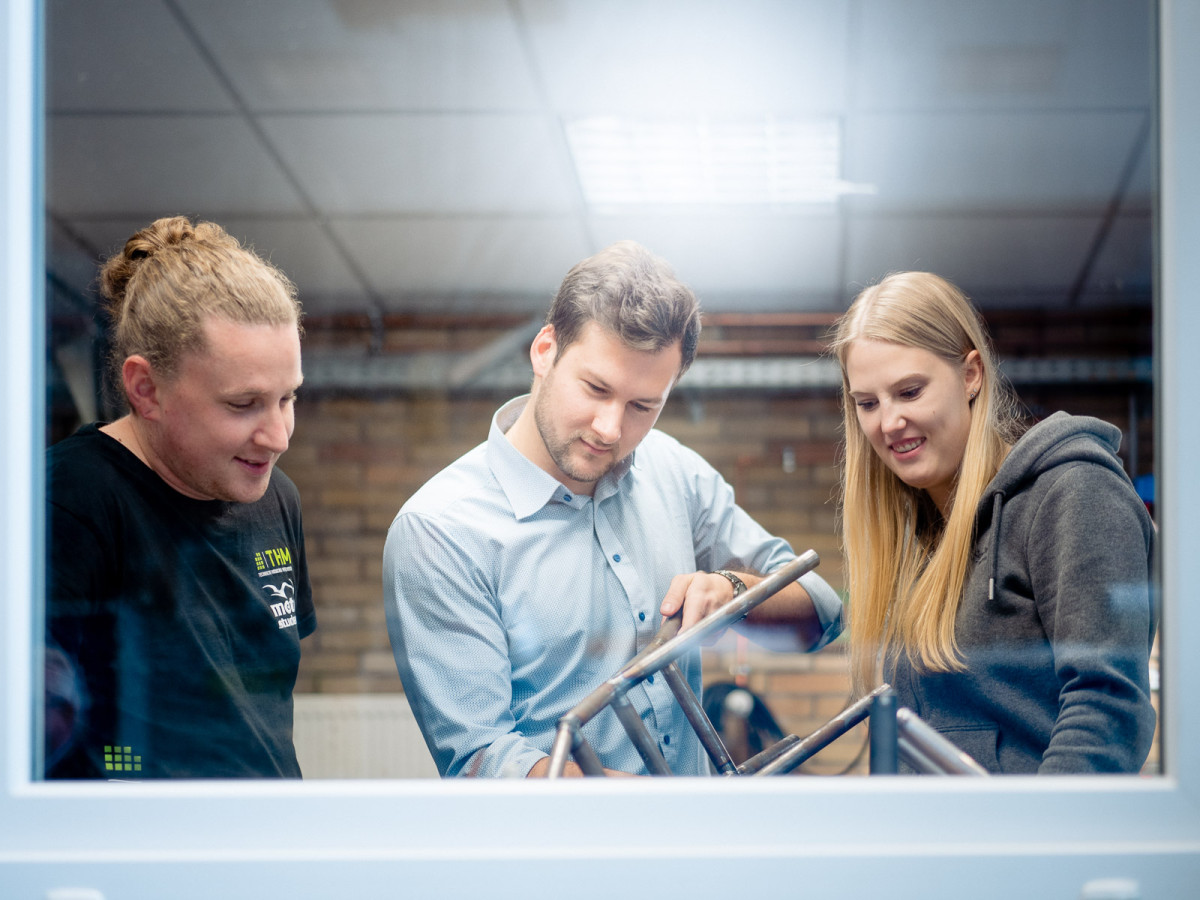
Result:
{"points": [[739, 586]]}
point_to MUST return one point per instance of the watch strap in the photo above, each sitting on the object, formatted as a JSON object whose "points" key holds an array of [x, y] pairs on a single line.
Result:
{"points": [[739, 586]]}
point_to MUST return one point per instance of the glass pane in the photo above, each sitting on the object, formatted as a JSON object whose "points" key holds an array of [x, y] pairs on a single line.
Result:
{"points": [[426, 174]]}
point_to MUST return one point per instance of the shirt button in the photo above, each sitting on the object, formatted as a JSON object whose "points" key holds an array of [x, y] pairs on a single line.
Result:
{"points": [[666, 739], [641, 617], [566, 498], [649, 679], [616, 557]]}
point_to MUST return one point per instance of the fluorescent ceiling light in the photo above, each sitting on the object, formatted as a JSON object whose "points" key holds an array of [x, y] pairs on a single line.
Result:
{"points": [[703, 162]]}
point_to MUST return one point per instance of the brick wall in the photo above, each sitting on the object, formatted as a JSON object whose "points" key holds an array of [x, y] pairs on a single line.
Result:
{"points": [[356, 461]]}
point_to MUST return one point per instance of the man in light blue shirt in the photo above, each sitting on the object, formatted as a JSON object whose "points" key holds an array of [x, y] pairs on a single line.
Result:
{"points": [[533, 568]]}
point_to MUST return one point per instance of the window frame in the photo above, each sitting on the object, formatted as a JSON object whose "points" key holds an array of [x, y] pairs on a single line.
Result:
{"points": [[905, 837]]}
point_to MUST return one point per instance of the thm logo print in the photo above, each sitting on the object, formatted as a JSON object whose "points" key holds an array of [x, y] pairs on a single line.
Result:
{"points": [[121, 759]]}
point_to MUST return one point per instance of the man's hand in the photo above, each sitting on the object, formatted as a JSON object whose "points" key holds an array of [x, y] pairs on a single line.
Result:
{"points": [[702, 593], [698, 595]]}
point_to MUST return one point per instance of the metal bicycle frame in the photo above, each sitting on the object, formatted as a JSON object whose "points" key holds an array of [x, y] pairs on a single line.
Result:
{"points": [[910, 738]]}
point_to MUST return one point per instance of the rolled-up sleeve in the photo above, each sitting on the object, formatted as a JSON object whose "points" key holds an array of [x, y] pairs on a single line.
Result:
{"points": [[829, 608]]}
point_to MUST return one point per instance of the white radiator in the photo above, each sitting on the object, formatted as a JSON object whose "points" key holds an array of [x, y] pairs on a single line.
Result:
{"points": [[359, 736]]}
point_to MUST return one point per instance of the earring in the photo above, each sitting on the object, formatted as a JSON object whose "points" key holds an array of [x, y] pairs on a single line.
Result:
{"points": [[971, 396]]}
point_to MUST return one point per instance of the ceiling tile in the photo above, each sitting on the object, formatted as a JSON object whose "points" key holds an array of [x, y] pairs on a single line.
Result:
{"points": [[124, 56], [998, 260], [947, 54], [511, 263], [368, 54], [440, 164], [310, 256], [150, 166], [1006, 160], [736, 262], [681, 58]]}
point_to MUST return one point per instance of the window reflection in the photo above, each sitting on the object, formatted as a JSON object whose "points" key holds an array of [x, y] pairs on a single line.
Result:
{"points": [[407, 170]]}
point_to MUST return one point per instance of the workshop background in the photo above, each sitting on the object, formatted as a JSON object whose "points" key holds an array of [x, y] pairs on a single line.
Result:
{"points": [[427, 172]]}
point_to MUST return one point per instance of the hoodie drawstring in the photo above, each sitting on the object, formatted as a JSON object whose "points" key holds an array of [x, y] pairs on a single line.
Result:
{"points": [[997, 506]]}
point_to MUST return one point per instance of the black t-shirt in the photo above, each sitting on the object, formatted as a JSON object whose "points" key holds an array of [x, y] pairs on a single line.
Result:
{"points": [[181, 619]]}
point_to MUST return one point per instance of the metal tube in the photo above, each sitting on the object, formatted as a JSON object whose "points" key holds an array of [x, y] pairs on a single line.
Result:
{"points": [[915, 759], [885, 756], [570, 741], [768, 754], [595, 702], [563, 740], [945, 755], [802, 750], [652, 660], [704, 729], [642, 741], [668, 630], [734, 722], [586, 757], [668, 645]]}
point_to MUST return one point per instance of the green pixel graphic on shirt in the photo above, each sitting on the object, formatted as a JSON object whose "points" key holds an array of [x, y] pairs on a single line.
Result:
{"points": [[121, 759]]}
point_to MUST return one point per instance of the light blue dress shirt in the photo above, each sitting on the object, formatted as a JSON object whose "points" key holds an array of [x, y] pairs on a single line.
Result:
{"points": [[509, 598]]}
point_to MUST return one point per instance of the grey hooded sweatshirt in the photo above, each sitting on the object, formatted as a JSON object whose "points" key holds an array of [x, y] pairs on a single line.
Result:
{"points": [[1057, 618]]}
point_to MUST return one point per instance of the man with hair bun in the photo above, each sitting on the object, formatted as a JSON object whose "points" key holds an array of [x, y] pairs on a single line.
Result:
{"points": [[534, 567], [177, 582]]}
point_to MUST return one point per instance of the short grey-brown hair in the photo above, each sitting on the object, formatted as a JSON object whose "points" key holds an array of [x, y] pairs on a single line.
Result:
{"points": [[634, 295]]}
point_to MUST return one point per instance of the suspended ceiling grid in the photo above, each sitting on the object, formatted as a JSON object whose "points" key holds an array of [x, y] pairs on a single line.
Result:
{"points": [[412, 156]]}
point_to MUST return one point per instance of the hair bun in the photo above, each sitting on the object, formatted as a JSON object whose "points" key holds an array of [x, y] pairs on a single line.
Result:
{"points": [[171, 276], [121, 267]]}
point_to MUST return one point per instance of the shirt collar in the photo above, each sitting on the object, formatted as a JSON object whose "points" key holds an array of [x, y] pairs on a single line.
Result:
{"points": [[527, 487]]}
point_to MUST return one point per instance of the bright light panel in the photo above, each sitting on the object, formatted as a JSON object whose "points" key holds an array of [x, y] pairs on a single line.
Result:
{"points": [[702, 162]]}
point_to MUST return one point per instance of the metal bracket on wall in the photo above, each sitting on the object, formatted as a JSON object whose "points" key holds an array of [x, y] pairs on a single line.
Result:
{"points": [[503, 367]]}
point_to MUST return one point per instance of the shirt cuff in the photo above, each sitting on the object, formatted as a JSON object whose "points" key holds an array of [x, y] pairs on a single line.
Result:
{"points": [[828, 606], [509, 756]]}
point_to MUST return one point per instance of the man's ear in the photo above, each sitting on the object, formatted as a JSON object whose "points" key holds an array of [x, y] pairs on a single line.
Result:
{"points": [[543, 350], [141, 387]]}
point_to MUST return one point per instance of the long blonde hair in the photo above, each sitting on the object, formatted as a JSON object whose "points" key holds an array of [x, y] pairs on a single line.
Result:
{"points": [[905, 565]]}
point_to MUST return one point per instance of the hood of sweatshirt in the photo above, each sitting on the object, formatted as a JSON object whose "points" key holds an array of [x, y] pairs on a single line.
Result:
{"points": [[1060, 439], [1054, 441]]}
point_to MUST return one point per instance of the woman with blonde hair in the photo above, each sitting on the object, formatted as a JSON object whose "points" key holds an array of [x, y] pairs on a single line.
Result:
{"points": [[999, 580]]}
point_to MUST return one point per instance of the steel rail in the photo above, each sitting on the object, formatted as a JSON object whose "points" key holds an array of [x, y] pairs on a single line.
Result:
{"points": [[664, 648], [788, 753], [928, 751]]}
